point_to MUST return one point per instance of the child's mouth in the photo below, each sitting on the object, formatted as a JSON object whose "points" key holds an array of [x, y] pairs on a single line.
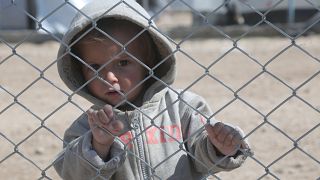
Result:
{"points": [[114, 92]]}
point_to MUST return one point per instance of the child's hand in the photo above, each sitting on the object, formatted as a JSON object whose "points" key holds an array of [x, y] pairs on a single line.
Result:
{"points": [[103, 127], [225, 138]]}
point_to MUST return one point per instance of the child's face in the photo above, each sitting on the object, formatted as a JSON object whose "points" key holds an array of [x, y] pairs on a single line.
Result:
{"points": [[122, 72]]}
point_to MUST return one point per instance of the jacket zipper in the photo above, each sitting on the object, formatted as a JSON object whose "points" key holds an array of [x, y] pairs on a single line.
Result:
{"points": [[141, 155]]}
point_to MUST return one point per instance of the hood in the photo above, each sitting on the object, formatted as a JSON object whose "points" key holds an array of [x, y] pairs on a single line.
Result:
{"points": [[118, 9]]}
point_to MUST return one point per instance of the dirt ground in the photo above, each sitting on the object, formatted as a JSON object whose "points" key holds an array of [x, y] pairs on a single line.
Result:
{"points": [[278, 108]]}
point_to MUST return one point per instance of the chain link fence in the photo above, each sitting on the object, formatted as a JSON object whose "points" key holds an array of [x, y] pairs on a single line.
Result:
{"points": [[267, 85]]}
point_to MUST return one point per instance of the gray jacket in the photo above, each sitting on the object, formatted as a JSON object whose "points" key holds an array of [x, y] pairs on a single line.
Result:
{"points": [[165, 137]]}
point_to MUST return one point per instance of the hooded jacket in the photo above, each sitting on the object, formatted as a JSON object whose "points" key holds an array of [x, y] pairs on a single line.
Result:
{"points": [[165, 136]]}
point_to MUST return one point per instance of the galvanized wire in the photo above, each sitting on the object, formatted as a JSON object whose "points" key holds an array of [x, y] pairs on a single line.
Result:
{"points": [[206, 73]]}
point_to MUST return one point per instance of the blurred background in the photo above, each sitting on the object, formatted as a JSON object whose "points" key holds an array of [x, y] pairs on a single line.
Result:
{"points": [[257, 63], [52, 17]]}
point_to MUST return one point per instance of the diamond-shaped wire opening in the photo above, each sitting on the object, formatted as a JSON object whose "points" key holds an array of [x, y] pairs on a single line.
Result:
{"points": [[36, 97], [66, 116], [170, 20], [255, 48], [308, 44], [204, 22], [6, 51], [233, 69], [49, 173], [299, 166], [156, 9], [217, 95], [49, 20], [142, 162], [309, 90], [203, 25], [7, 99], [19, 127], [40, 146], [7, 147], [136, 154], [293, 71], [264, 93], [222, 14], [257, 12], [162, 167], [17, 166], [164, 134], [79, 102], [202, 51], [51, 75], [294, 118], [274, 145], [228, 14], [37, 55], [248, 166], [80, 159], [268, 175], [202, 15], [308, 144], [186, 63], [239, 114], [269, 31], [196, 161], [15, 69]]}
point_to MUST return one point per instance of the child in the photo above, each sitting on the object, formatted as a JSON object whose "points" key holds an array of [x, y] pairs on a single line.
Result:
{"points": [[139, 127]]}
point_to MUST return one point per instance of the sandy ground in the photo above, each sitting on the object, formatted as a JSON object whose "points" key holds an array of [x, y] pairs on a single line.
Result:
{"points": [[32, 125]]}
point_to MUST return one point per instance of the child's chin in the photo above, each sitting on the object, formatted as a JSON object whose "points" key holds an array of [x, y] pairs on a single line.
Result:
{"points": [[116, 102]]}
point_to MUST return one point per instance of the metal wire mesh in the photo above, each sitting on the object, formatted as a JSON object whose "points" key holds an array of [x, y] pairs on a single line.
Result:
{"points": [[266, 85]]}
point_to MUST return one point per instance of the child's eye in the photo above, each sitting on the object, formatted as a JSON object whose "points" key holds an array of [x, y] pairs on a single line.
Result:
{"points": [[123, 62], [95, 66]]}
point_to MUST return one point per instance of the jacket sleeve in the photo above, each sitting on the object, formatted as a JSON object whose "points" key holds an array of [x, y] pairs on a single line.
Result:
{"points": [[79, 161], [204, 155]]}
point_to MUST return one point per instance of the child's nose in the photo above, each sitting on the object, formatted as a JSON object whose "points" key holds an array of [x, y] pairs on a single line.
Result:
{"points": [[110, 77]]}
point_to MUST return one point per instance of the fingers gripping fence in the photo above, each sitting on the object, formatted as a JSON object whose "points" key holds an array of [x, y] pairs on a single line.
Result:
{"points": [[268, 86]]}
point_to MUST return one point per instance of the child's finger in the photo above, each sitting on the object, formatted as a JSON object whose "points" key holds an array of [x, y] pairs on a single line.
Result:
{"points": [[94, 117], [108, 110], [237, 138], [89, 114], [212, 129], [223, 133], [117, 126], [244, 145], [216, 128], [89, 111], [103, 118], [229, 139]]}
